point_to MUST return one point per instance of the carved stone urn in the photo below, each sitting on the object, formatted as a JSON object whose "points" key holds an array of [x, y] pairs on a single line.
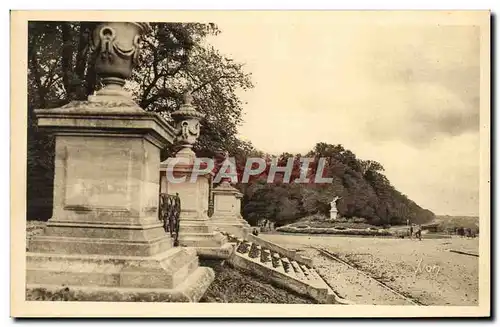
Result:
{"points": [[187, 124], [116, 45]]}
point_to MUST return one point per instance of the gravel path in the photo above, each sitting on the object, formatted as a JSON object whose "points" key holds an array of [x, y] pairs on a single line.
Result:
{"points": [[350, 284], [422, 270]]}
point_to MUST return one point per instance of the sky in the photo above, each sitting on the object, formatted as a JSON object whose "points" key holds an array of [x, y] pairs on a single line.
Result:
{"points": [[403, 94]]}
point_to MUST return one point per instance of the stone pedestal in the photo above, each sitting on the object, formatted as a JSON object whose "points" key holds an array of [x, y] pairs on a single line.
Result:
{"points": [[105, 233], [227, 210], [195, 228], [333, 214]]}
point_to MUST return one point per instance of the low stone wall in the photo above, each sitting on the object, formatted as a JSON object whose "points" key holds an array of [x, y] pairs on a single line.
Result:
{"points": [[292, 254], [334, 231]]}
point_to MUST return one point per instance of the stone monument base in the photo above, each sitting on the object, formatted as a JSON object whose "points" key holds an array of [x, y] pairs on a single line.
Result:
{"points": [[101, 238], [333, 214], [227, 207], [105, 237], [239, 228], [199, 233], [173, 275], [208, 243]]}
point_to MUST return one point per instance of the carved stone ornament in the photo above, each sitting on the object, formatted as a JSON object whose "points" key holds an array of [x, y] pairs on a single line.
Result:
{"points": [[189, 131], [117, 49], [187, 120]]}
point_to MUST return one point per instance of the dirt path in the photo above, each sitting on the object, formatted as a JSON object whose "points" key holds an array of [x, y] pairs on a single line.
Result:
{"points": [[422, 270]]}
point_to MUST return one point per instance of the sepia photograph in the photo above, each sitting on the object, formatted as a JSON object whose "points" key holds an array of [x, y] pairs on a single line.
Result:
{"points": [[250, 163]]}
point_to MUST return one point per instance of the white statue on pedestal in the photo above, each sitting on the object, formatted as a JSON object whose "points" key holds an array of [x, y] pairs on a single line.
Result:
{"points": [[333, 208]]}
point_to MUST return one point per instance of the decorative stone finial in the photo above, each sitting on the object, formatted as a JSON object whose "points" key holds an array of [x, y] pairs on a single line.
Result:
{"points": [[187, 122], [221, 156], [116, 45], [188, 98]]}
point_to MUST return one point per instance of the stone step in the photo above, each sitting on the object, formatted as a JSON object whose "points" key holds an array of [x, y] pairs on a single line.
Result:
{"points": [[275, 258], [287, 266], [265, 257], [298, 271], [107, 231], [98, 246], [190, 290], [213, 239], [243, 247], [255, 251], [230, 226], [277, 263], [216, 252], [165, 270], [305, 270]]}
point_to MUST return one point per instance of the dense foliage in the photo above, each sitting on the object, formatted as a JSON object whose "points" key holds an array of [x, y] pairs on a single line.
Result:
{"points": [[450, 224], [176, 57], [364, 189]]}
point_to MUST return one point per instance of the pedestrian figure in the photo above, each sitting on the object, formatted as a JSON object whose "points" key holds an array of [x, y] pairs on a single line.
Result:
{"points": [[418, 233], [411, 230], [468, 232]]}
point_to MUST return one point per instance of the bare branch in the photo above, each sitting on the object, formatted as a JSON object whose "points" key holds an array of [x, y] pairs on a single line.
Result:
{"points": [[162, 93], [214, 80]]}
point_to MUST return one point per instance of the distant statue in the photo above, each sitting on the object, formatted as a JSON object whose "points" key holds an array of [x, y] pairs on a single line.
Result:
{"points": [[333, 204], [333, 208]]}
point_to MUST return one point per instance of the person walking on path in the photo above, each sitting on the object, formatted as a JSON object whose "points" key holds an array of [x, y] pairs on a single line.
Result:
{"points": [[418, 233], [411, 230]]}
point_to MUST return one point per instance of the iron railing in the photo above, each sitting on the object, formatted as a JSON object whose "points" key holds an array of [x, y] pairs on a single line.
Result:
{"points": [[170, 211]]}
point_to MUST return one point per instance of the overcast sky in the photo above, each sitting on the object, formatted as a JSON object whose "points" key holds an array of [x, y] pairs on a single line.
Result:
{"points": [[406, 95]]}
